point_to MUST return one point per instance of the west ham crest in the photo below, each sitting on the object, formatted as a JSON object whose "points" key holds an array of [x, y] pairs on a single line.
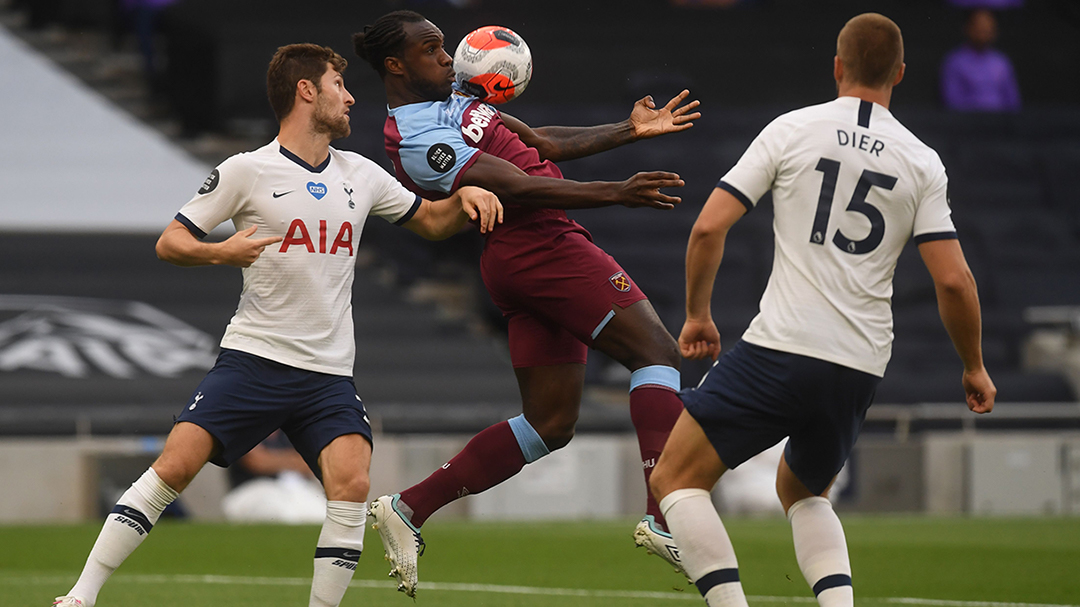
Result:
{"points": [[620, 282]]}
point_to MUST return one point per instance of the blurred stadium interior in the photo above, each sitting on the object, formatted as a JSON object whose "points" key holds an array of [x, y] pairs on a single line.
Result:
{"points": [[431, 355]]}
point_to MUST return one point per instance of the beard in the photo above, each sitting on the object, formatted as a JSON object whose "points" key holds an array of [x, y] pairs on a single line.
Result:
{"points": [[431, 91], [323, 122]]}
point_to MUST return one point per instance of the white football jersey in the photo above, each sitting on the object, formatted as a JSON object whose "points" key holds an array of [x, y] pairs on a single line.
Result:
{"points": [[850, 187], [296, 304]]}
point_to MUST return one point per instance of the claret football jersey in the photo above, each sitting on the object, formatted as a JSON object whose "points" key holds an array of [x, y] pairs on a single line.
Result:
{"points": [[433, 143], [851, 185], [296, 303]]}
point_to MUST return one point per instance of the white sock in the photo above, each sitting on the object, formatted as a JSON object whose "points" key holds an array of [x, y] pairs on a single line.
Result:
{"points": [[704, 547], [821, 549], [339, 548], [125, 528]]}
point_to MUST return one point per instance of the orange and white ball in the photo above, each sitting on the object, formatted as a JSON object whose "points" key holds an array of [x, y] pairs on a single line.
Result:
{"points": [[493, 63]]}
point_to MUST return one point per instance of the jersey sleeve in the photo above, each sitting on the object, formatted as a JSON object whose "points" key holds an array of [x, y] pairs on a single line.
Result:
{"points": [[756, 170], [393, 202], [221, 196], [933, 216], [435, 158]]}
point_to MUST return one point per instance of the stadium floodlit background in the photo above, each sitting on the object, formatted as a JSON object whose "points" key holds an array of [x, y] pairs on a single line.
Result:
{"points": [[114, 111]]}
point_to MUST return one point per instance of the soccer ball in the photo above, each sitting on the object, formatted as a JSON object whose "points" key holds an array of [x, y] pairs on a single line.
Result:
{"points": [[493, 63]]}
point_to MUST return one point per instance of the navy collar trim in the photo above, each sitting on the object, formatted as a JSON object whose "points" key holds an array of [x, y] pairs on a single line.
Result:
{"points": [[300, 161]]}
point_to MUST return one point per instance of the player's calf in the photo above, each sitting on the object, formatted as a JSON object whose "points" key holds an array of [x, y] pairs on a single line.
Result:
{"points": [[125, 528], [821, 550], [340, 544], [706, 553]]}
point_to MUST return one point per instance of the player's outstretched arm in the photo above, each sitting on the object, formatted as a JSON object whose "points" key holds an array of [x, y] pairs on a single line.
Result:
{"points": [[958, 304], [179, 247], [699, 338], [512, 184], [557, 143], [439, 219]]}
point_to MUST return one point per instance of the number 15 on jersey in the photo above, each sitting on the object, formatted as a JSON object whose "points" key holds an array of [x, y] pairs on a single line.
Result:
{"points": [[858, 204]]}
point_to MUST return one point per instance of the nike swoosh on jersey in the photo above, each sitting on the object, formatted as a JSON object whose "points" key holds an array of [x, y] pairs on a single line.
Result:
{"points": [[276, 195]]}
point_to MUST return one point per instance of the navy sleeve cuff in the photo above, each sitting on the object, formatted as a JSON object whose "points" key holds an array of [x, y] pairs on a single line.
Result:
{"points": [[194, 229], [407, 216], [730, 189], [932, 236]]}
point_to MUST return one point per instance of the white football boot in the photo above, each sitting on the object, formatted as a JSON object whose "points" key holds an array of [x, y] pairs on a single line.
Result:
{"points": [[70, 601], [654, 540], [401, 541]]}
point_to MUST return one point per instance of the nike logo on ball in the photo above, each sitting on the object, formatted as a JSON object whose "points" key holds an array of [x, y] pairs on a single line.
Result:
{"points": [[276, 195]]}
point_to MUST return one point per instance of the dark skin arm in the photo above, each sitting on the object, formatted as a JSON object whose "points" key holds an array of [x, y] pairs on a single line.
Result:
{"points": [[513, 185], [558, 143]]}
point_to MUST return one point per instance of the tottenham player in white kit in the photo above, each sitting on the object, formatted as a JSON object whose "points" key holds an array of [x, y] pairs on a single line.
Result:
{"points": [[850, 187], [287, 355]]}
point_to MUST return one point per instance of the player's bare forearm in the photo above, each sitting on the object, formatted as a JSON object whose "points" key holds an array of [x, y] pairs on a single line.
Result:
{"points": [[513, 185], [704, 253], [958, 298], [441, 219], [438, 219], [958, 304], [705, 250], [179, 247], [959, 308], [570, 142], [557, 143], [551, 193]]}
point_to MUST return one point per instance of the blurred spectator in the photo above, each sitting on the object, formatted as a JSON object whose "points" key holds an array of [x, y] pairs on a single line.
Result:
{"points": [[976, 77], [273, 483], [141, 16]]}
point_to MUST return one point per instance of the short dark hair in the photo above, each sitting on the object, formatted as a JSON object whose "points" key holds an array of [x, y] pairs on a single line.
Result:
{"points": [[872, 50], [293, 63], [384, 38]]}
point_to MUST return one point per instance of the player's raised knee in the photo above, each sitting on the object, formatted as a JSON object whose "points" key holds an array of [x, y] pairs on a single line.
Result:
{"points": [[557, 434]]}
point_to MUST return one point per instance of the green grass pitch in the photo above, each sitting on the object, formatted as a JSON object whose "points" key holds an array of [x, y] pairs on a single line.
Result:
{"points": [[578, 564]]}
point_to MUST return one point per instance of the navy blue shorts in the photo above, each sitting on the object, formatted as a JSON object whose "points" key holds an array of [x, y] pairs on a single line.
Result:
{"points": [[753, 397], [244, 398]]}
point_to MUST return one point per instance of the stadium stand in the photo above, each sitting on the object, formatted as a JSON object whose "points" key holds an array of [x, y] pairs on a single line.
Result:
{"points": [[1011, 178]]}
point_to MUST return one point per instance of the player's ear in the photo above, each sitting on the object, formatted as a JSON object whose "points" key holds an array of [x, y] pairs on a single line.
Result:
{"points": [[394, 65], [900, 74], [306, 90], [838, 69]]}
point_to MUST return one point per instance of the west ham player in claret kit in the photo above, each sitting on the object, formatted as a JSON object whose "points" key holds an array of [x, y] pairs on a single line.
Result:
{"points": [[851, 186], [560, 293], [287, 355]]}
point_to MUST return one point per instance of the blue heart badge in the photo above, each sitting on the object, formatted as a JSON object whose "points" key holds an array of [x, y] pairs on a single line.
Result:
{"points": [[318, 190]]}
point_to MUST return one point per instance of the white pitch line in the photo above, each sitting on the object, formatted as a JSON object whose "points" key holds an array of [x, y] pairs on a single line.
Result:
{"points": [[43, 580], [946, 603]]}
